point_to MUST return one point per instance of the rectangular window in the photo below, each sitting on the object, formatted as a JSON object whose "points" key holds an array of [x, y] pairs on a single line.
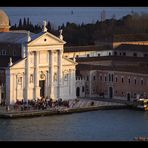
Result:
{"points": [[100, 78], [83, 88], [109, 77], [112, 77], [94, 78], [87, 78], [129, 81], [3, 52], [105, 79], [141, 82], [122, 80], [116, 79], [135, 81]]}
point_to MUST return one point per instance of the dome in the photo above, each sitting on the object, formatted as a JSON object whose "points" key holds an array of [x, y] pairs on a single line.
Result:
{"points": [[4, 22]]}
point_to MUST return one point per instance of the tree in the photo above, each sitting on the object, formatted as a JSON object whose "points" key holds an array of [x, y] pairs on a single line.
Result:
{"points": [[24, 23], [20, 24], [28, 21]]}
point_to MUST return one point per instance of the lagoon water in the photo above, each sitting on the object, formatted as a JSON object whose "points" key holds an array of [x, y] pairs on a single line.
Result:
{"points": [[103, 125], [59, 15]]}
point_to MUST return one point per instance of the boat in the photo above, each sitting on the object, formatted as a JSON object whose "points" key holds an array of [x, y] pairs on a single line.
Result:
{"points": [[141, 104]]}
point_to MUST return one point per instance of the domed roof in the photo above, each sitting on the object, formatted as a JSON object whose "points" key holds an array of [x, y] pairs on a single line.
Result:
{"points": [[4, 20]]}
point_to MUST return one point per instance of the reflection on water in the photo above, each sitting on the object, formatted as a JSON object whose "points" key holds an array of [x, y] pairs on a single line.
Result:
{"points": [[97, 125]]}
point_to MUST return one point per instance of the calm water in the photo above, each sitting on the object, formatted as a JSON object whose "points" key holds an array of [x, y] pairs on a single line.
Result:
{"points": [[107, 125], [59, 15]]}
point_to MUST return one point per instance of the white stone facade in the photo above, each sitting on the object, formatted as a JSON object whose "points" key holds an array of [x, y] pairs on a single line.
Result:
{"points": [[43, 71]]}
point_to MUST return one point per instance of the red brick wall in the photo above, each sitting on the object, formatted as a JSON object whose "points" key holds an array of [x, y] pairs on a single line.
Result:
{"points": [[120, 90]]}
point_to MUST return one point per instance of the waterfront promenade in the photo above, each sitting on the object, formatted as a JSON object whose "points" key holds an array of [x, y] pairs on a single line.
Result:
{"points": [[76, 105]]}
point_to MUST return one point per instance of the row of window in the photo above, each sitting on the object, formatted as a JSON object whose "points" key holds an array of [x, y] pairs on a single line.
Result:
{"points": [[111, 79], [124, 54], [133, 94], [115, 54], [4, 52]]}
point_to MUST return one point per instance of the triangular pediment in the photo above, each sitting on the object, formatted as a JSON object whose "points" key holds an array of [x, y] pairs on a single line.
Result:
{"points": [[19, 64], [45, 39]]}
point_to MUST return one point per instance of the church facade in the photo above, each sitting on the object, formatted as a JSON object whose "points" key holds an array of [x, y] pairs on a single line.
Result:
{"points": [[40, 69]]}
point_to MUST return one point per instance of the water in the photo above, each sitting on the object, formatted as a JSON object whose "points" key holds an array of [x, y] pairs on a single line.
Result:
{"points": [[105, 125], [59, 15]]}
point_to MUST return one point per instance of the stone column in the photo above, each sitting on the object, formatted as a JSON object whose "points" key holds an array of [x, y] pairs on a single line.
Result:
{"points": [[73, 83], [90, 84], [59, 73], [46, 84], [27, 76], [51, 71], [8, 90], [12, 89], [16, 82], [70, 81], [36, 75], [0, 94], [24, 84]]}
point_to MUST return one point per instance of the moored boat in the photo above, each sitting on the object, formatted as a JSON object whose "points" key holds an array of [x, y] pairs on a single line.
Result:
{"points": [[141, 104]]}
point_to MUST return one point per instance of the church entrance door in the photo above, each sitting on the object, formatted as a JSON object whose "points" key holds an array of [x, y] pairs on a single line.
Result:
{"points": [[42, 88], [78, 92]]}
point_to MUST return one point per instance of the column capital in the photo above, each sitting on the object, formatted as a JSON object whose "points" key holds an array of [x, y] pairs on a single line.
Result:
{"points": [[60, 50], [51, 51], [36, 51]]}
